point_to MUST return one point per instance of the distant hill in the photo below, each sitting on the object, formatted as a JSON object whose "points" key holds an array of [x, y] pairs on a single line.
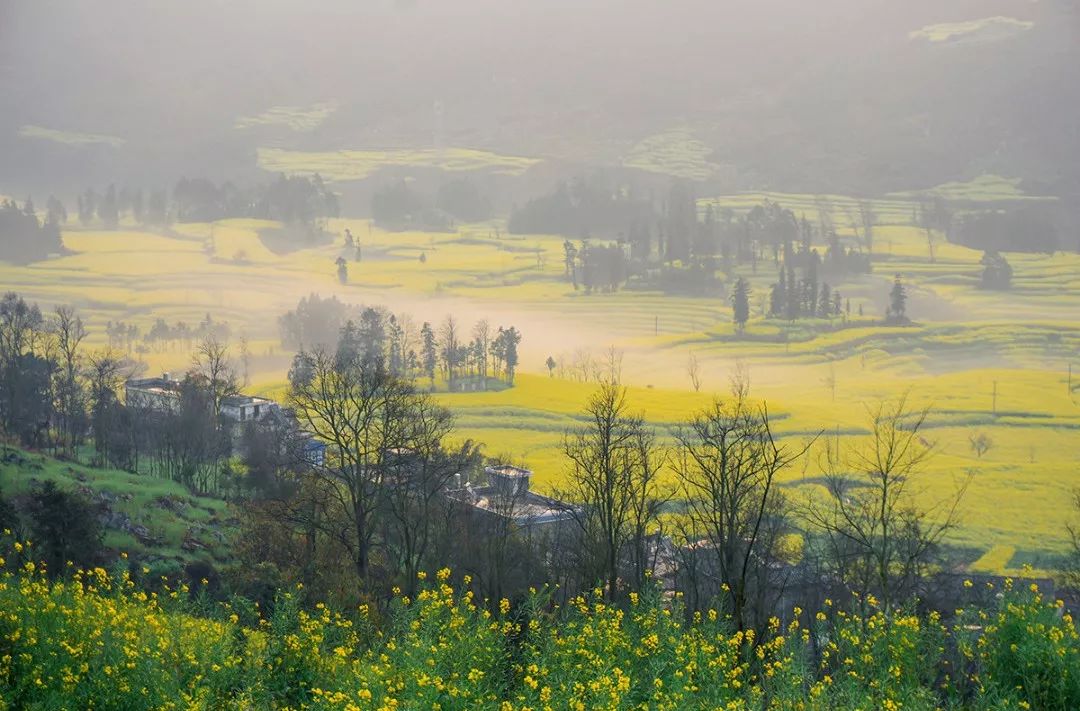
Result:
{"points": [[844, 96]]}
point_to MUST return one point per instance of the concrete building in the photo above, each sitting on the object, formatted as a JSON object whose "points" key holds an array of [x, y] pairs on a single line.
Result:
{"points": [[160, 393], [247, 408], [507, 495]]}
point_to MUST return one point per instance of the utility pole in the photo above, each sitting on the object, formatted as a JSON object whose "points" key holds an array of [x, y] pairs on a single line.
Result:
{"points": [[995, 399]]}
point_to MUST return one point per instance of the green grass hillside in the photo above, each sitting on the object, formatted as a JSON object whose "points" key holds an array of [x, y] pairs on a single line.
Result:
{"points": [[146, 517]]}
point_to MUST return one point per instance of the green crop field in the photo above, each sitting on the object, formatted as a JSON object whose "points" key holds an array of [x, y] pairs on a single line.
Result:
{"points": [[988, 362]]}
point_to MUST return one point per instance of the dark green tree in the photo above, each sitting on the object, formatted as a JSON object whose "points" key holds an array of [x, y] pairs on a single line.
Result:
{"points": [[428, 352], [898, 301], [65, 528], [740, 304]]}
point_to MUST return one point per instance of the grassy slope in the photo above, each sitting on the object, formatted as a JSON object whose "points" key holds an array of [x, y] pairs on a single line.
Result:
{"points": [[166, 509]]}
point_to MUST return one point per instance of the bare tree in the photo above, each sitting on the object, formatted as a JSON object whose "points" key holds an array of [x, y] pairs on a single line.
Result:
{"points": [[829, 380], [376, 426], [872, 532], [727, 462], [739, 380], [648, 497], [611, 471], [416, 481], [582, 365], [611, 369], [69, 333], [211, 361], [693, 371], [448, 346], [482, 336], [106, 372]]}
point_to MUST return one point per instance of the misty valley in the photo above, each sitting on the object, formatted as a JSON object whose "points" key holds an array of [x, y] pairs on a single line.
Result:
{"points": [[521, 355]]}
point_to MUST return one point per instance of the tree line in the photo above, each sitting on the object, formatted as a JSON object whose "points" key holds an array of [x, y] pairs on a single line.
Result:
{"points": [[24, 237], [400, 205], [673, 243], [293, 200], [460, 356], [161, 335], [59, 396]]}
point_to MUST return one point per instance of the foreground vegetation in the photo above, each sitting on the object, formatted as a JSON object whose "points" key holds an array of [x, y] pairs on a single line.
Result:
{"points": [[120, 640]]}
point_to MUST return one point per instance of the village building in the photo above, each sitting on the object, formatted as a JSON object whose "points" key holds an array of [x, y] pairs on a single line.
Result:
{"points": [[507, 496], [247, 408], [161, 393]]}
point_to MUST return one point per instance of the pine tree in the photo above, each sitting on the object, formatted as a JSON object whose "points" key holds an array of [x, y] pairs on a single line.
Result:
{"points": [[108, 210], [825, 301], [778, 297], [740, 304], [791, 309], [428, 353], [898, 300]]}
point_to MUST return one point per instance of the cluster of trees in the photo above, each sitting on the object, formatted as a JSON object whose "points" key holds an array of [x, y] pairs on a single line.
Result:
{"points": [[673, 244], [162, 335], [400, 206], [581, 207], [303, 201], [1026, 229], [793, 297], [57, 395], [23, 237], [109, 206], [400, 345], [124, 336], [868, 537], [595, 267], [42, 398], [997, 272]]}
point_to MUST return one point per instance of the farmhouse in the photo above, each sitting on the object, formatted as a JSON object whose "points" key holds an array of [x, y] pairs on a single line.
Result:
{"points": [[161, 393], [507, 496], [247, 408]]}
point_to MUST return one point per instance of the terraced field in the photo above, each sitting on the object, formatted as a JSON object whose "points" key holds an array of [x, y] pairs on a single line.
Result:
{"points": [[358, 164], [995, 363]]}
